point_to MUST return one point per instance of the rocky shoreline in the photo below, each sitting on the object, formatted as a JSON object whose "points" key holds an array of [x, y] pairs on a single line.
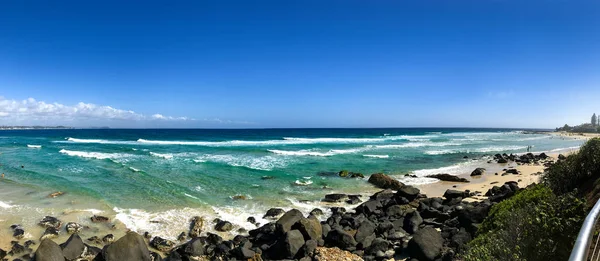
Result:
{"points": [[397, 222]]}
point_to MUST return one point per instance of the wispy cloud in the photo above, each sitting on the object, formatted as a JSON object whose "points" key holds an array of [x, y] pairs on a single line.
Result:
{"points": [[33, 110]]}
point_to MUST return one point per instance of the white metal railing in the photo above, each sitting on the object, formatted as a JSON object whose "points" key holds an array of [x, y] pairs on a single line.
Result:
{"points": [[581, 250]]}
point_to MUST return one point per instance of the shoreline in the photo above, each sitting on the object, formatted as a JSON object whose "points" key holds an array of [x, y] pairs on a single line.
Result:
{"points": [[528, 174], [412, 198]]}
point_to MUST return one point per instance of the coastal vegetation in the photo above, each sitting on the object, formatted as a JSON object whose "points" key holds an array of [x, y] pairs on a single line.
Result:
{"points": [[542, 221]]}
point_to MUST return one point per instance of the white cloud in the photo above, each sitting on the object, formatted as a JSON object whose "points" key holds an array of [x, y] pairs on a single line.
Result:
{"points": [[31, 110]]}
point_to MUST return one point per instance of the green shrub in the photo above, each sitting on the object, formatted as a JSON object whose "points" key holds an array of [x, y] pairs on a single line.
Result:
{"points": [[533, 225], [577, 171]]}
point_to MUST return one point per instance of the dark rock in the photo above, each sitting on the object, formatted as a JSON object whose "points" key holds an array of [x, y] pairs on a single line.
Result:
{"points": [[316, 212], [182, 236], [18, 232], [451, 194], [335, 197], [478, 172], [49, 221], [426, 244], [99, 219], [162, 244], [194, 247], [512, 171], [292, 243], [155, 256], [396, 211], [412, 221], [73, 227], [502, 160], [196, 226], [378, 245], [96, 240], [460, 239], [285, 223], [385, 182], [561, 157], [108, 239], [49, 233], [448, 177], [274, 213], [129, 247], [341, 239], [408, 192], [267, 177], [91, 253], [16, 248], [49, 251], [310, 228], [29, 243], [309, 247], [224, 226], [369, 207], [251, 220], [365, 231], [353, 199], [357, 175], [73, 248], [2, 253]]}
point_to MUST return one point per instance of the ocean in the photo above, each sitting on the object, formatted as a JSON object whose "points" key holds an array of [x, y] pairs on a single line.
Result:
{"points": [[156, 179]]}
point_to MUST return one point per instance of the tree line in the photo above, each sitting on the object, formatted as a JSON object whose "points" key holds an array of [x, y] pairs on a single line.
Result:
{"points": [[592, 127]]}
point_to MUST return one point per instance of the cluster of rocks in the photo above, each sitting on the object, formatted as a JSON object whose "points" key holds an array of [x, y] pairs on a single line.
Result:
{"points": [[72, 249], [528, 158], [395, 222]]}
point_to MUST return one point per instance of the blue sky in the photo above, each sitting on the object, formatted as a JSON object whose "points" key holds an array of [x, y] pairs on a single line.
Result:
{"points": [[254, 64]]}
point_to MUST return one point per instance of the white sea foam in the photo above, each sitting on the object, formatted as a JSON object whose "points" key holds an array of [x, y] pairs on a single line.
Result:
{"points": [[376, 156], [134, 169], [258, 163], [5, 205], [301, 153], [100, 141], [167, 224], [188, 195], [34, 146], [475, 150], [415, 145], [93, 155], [303, 182], [164, 156]]}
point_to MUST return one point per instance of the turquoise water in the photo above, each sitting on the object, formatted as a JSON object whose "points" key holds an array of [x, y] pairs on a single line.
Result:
{"points": [[136, 173]]}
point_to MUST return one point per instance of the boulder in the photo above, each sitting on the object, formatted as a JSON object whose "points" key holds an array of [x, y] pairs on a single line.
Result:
{"points": [[129, 247], [451, 194], [73, 248], [224, 226], [251, 220], [502, 160], [292, 243], [193, 248], [2, 254], [343, 173], [274, 213], [310, 228], [18, 231], [426, 244], [285, 223], [478, 172], [49, 221], [365, 233], [161, 244], [340, 238], [448, 177], [408, 192], [73, 227], [412, 221], [383, 181], [99, 219], [316, 212], [49, 233], [335, 197], [49, 251], [196, 226]]}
